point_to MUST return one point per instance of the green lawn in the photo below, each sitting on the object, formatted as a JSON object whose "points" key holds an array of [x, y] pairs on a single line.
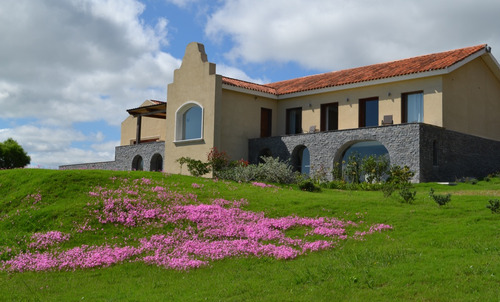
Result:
{"points": [[433, 253]]}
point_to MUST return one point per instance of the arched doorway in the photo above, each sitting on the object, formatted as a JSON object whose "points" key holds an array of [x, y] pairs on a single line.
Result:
{"points": [[137, 163], [301, 159], [355, 155], [156, 163]]}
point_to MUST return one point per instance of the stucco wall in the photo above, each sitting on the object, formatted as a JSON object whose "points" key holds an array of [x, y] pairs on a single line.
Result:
{"points": [[472, 100], [152, 128], [348, 101], [240, 121], [194, 81]]}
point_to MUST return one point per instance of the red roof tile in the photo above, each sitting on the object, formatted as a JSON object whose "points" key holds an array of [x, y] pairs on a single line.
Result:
{"points": [[414, 65], [248, 85]]}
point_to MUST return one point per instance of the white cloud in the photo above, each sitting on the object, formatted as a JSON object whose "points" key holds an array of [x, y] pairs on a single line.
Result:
{"points": [[336, 34], [182, 3], [67, 58], [71, 61], [236, 73]]}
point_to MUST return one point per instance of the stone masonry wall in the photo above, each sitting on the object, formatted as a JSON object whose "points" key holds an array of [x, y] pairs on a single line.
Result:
{"points": [[458, 155], [402, 143], [124, 155]]}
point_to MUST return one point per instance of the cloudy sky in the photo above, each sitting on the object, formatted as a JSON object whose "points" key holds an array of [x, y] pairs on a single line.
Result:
{"points": [[69, 69]]}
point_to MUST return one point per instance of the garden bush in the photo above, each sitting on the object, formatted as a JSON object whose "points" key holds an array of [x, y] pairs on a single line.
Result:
{"points": [[407, 194], [441, 200], [309, 186], [494, 206], [195, 167], [270, 170]]}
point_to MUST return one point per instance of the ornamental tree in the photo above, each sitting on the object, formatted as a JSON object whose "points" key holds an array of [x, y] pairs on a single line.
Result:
{"points": [[12, 155]]}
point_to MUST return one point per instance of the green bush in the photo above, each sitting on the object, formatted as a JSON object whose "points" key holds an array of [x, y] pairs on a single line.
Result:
{"points": [[441, 200], [195, 167], [218, 160], [271, 170], [494, 206], [337, 184], [374, 168], [400, 175], [309, 185], [352, 169], [239, 173], [407, 194]]}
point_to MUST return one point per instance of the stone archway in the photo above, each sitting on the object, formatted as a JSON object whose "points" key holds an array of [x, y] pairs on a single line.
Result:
{"points": [[137, 163], [156, 163]]}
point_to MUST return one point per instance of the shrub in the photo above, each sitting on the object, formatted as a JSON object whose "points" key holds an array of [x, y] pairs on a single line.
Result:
{"points": [[309, 185], [337, 171], [218, 160], [195, 167], [399, 179], [319, 176], [400, 175], [353, 168], [374, 168], [277, 171], [440, 199], [407, 194], [239, 173], [270, 170], [337, 184], [494, 206]]}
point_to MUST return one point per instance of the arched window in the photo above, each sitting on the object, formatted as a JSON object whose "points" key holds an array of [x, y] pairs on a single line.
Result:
{"points": [[156, 163], [189, 122], [301, 159], [137, 163], [305, 161], [353, 157]]}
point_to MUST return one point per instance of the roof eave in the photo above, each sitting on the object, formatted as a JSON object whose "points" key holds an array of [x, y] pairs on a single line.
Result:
{"points": [[249, 91], [406, 77]]}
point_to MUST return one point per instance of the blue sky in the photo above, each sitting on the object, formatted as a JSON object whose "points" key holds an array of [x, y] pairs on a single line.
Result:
{"points": [[71, 68]]}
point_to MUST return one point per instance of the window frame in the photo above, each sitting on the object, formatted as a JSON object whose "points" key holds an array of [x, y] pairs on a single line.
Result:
{"points": [[180, 126], [362, 112], [266, 123], [325, 116], [404, 106], [298, 124]]}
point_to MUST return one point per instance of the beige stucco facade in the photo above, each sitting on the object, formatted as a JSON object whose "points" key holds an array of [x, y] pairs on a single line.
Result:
{"points": [[465, 98], [153, 129], [472, 100], [389, 96], [240, 121], [195, 82]]}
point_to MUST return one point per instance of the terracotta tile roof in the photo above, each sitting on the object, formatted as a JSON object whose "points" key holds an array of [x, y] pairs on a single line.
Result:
{"points": [[248, 85], [414, 65]]}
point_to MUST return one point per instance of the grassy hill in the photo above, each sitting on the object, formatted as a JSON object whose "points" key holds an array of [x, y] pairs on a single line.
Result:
{"points": [[430, 252]]}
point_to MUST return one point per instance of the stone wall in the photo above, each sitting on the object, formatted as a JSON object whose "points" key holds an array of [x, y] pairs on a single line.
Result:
{"points": [[457, 155], [413, 145], [124, 155]]}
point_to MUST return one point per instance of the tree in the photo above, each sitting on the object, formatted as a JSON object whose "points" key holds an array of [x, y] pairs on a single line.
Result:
{"points": [[12, 155]]}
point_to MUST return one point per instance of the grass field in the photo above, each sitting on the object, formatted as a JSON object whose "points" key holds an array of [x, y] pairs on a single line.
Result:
{"points": [[432, 253]]}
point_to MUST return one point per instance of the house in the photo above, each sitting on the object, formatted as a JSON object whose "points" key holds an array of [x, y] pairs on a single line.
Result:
{"points": [[437, 114]]}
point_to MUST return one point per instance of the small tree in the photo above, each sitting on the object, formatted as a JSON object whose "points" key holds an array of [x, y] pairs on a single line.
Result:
{"points": [[12, 155]]}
